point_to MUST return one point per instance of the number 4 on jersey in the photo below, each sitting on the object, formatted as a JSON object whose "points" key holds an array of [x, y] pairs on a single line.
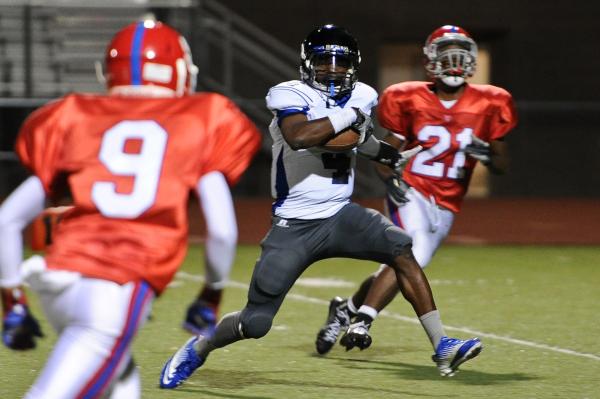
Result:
{"points": [[340, 163]]}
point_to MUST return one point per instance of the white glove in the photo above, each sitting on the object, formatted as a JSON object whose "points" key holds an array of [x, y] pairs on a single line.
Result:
{"points": [[404, 157], [363, 125], [479, 150]]}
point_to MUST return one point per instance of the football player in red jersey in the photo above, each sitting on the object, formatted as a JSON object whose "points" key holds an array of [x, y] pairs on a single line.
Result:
{"points": [[129, 160], [201, 315], [457, 124], [220, 247]]}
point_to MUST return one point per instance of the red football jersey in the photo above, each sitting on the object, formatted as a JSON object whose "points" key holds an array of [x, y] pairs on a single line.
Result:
{"points": [[442, 169], [129, 164]]}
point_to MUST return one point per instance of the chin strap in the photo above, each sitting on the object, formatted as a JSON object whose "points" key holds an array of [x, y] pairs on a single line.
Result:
{"points": [[331, 89]]}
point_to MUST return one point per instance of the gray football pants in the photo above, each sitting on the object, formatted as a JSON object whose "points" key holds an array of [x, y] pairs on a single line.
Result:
{"points": [[291, 245]]}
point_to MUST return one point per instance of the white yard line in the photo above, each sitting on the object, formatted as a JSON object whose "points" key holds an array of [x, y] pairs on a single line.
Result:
{"points": [[414, 320], [470, 331]]}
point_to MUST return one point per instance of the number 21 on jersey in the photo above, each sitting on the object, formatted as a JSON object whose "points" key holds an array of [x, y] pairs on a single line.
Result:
{"points": [[424, 164], [144, 166]]}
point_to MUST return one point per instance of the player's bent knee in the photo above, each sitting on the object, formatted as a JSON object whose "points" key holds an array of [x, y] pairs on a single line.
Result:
{"points": [[400, 242], [405, 251], [405, 262], [256, 325]]}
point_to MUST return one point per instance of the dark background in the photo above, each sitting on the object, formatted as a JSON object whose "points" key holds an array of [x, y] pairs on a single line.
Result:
{"points": [[544, 52]]}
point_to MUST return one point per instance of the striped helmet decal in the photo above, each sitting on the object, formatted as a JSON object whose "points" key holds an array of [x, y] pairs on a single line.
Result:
{"points": [[136, 54]]}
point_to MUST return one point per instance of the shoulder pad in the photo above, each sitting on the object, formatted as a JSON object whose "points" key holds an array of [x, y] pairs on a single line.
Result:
{"points": [[366, 95], [406, 87], [492, 91], [286, 95]]}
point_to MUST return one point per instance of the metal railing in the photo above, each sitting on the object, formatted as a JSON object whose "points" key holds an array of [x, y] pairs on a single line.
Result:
{"points": [[53, 49], [48, 49], [243, 52]]}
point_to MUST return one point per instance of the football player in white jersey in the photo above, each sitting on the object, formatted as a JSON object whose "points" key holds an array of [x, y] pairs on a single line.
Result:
{"points": [[313, 217]]}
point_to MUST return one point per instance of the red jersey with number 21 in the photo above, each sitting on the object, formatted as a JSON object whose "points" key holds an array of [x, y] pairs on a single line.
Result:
{"points": [[442, 169], [129, 164]]}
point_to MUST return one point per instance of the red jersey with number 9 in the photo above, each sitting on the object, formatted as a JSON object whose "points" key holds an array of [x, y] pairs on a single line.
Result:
{"points": [[129, 164], [442, 169]]}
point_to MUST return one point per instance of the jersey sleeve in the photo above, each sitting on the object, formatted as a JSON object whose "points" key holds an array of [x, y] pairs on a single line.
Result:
{"points": [[505, 118], [389, 111], [236, 141], [39, 144], [285, 100]]}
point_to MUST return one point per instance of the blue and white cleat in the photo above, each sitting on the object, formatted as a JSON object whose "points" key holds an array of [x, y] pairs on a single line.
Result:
{"points": [[181, 365], [452, 352]]}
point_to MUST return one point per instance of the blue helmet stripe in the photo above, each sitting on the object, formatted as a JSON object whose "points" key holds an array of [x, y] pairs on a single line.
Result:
{"points": [[136, 54]]}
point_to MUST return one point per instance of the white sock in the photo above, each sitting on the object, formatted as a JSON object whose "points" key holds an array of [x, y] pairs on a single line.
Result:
{"points": [[369, 311], [432, 324]]}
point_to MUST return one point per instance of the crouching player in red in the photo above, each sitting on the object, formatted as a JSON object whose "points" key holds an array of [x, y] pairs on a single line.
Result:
{"points": [[129, 160]]}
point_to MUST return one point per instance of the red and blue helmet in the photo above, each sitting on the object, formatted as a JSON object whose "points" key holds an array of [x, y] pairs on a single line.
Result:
{"points": [[150, 53], [451, 53]]}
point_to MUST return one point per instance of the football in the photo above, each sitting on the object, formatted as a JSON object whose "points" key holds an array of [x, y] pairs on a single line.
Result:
{"points": [[346, 140]]}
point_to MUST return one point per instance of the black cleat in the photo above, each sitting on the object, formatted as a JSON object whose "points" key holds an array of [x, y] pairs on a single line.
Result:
{"points": [[337, 319], [357, 336]]}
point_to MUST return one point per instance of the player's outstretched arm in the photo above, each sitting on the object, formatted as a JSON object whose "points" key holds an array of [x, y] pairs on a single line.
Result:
{"points": [[221, 226], [386, 154]]}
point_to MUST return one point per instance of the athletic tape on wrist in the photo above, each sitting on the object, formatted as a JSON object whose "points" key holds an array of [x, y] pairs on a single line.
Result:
{"points": [[342, 119]]}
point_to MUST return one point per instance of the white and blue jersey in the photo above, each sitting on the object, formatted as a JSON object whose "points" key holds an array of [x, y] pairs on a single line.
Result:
{"points": [[311, 183]]}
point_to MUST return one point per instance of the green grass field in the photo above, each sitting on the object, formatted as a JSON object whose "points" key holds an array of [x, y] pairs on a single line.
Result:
{"points": [[535, 309]]}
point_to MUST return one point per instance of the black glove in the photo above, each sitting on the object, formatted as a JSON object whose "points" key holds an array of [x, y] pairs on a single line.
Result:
{"points": [[389, 156], [363, 125], [19, 327], [396, 190], [479, 150]]}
